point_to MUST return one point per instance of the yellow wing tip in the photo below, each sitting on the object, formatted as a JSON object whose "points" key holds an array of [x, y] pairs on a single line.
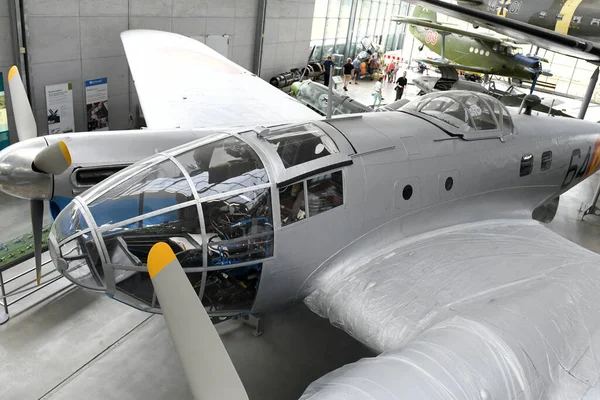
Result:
{"points": [[160, 255], [12, 72], [65, 151]]}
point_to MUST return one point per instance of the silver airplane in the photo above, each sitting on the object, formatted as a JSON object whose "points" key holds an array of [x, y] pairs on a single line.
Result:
{"points": [[411, 230]]}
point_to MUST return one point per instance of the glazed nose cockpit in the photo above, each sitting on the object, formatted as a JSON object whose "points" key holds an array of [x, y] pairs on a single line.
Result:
{"points": [[209, 200]]}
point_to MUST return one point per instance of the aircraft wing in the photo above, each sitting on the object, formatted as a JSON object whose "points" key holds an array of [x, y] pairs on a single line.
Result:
{"points": [[445, 28], [520, 31], [182, 83], [458, 66], [529, 294]]}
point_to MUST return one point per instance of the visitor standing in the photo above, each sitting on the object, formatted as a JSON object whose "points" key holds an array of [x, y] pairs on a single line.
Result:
{"points": [[357, 71], [328, 66], [348, 67], [377, 92], [400, 85]]}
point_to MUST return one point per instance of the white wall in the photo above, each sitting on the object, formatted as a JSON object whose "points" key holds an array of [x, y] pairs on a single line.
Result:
{"points": [[286, 42]]}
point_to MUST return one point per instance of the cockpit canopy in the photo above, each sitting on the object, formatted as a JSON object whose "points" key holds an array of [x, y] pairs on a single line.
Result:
{"points": [[210, 200], [471, 115]]}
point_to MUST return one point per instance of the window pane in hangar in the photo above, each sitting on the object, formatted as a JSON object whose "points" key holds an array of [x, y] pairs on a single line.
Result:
{"points": [[328, 46], [331, 28], [239, 228], [320, 8], [223, 166], [381, 13], [340, 46], [318, 29], [318, 53], [342, 31], [162, 185], [333, 9], [345, 8], [365, 9], [374, 9]]}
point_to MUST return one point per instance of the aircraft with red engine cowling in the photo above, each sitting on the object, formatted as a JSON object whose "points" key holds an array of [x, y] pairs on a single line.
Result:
{"points": [[415, 230]]}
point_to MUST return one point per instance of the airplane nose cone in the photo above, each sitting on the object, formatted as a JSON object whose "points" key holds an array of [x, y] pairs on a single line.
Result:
{"points": [[17, 177]]}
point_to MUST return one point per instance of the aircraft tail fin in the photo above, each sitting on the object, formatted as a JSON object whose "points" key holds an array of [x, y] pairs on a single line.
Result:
{"points": [[425, 13]]}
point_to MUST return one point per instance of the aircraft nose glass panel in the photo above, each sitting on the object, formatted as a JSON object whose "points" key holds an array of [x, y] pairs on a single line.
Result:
{"points": [[211, 203], [160, 186], [77, 249], [69, 222]]}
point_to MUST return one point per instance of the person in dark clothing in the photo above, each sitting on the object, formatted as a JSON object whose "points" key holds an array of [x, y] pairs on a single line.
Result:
{"points": [[400, 84], [348, 68], [328, 65]]}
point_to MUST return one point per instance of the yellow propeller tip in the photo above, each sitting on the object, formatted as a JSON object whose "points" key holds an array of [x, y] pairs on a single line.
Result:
{"points": [[12, 72], [160, 255], [39, 280], [65, 151]]}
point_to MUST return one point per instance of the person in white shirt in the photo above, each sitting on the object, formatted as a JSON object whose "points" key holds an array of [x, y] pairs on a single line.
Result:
{"points": [[377, 92]]}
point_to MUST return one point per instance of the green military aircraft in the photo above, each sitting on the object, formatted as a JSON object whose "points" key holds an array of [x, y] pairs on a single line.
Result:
{"points": [[470, 51], [570, 27]]}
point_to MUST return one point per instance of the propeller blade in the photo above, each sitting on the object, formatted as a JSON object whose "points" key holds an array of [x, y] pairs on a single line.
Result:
{"points": [[54, 159], [37, 220], [209, 370], [26, 127]]}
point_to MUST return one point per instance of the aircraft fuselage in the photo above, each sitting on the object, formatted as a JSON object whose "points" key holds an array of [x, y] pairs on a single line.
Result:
{"points": [[576, 18], [475, 52], [394, 175]]}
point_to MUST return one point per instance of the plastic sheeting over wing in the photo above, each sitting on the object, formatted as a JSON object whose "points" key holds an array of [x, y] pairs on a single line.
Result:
{"points": [[182, 83], [505, 306]]}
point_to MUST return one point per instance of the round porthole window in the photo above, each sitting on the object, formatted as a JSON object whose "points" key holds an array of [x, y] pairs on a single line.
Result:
{"points": [[449, 183], [407, 192]]}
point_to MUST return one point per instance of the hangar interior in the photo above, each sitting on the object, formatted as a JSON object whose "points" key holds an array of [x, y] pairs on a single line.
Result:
{"points": [[64, 342]]}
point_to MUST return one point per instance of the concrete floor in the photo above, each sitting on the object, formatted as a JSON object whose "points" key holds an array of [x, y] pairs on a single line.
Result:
{"points": [[67, 343]]}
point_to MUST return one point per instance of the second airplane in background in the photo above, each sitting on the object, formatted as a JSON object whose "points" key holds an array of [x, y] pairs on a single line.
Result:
{"points": [[470, 51]]}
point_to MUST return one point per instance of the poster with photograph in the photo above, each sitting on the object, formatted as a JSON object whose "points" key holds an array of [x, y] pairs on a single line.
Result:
{"points": [[96, 104], [4, 137], [59, 102]]}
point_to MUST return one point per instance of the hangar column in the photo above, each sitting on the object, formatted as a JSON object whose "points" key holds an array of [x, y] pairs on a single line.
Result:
{"points": [[259, 36]]}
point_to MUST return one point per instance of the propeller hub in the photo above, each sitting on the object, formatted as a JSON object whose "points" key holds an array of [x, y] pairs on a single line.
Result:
{"points": [[17, 177]]}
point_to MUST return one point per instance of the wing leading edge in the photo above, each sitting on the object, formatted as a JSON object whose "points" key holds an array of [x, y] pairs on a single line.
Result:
{"points": [[528, 294], [561, 43], [182, 83]]}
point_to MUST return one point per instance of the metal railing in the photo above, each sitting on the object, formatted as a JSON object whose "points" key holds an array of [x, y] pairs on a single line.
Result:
{"points": [[23, 290]]}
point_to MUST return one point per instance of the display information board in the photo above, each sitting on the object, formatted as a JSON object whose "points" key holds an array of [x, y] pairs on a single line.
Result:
{"points": [[59, 102], [96, 104], [4, 137]]}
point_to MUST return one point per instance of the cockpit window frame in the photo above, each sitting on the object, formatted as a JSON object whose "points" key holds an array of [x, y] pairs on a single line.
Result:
{"points": [[98, 235], [500, 132]]}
